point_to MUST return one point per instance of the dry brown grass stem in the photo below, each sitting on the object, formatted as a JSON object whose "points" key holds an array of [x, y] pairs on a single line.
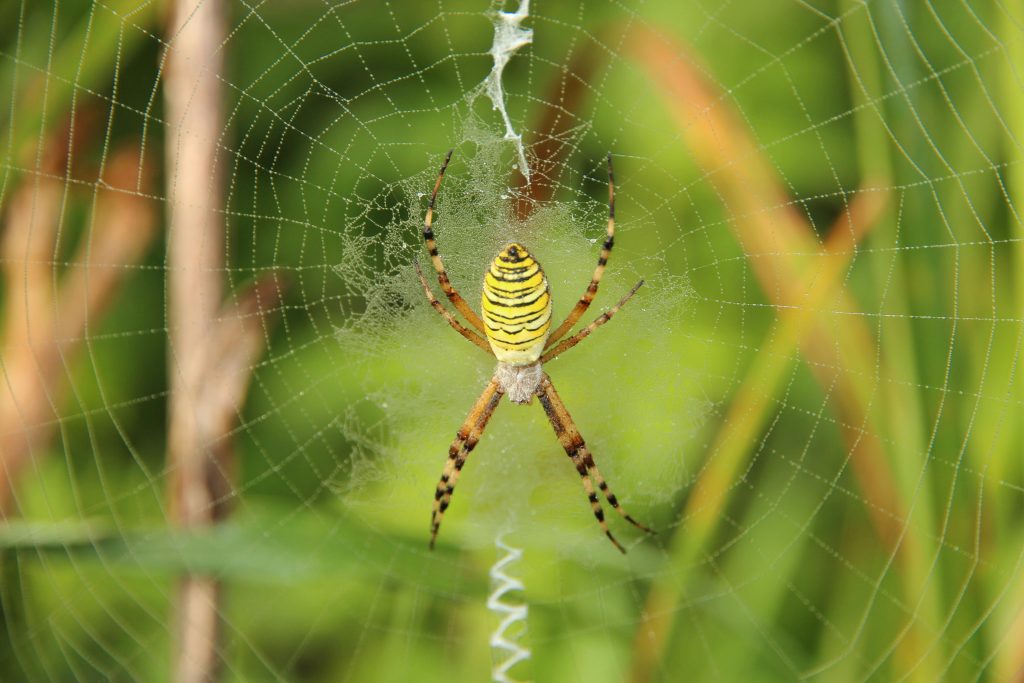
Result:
{"points": [[49, 309], [213, 345]]}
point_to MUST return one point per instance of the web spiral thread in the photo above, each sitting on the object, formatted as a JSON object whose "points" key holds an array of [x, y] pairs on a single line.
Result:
{"points": [[507, 649]]}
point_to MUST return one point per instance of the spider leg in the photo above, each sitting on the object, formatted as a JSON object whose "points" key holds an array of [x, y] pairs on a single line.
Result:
{"points": [[442, 275], [465, 440], [571, 440], [461, 329], [572, 449], [606, 249], [585, 332]]}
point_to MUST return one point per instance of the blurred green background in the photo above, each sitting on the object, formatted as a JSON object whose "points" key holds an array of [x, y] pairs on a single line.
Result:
{"points": [[813, 400]]}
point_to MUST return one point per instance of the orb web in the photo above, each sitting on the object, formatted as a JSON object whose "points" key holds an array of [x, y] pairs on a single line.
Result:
{"points": [[812, 399]]}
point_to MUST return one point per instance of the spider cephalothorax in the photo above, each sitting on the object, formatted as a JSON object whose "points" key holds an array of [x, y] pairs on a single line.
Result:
{"points": [[516, 324]]}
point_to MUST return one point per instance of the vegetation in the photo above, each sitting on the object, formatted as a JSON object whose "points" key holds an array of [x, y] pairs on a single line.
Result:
{"points": [[813, 399]]}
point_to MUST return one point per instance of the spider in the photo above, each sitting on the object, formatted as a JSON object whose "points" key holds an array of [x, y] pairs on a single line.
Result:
{"points": [[515, 325]]}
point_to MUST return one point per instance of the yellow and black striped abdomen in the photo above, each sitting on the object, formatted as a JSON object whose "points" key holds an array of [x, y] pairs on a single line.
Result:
{"points": [[516, 306]]}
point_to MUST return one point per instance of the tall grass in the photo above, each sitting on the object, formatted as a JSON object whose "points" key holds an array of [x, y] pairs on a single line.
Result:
{"points": [[815, 400]]}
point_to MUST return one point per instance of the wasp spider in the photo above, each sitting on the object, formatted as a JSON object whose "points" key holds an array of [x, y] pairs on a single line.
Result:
{"points": [[516, 329]]}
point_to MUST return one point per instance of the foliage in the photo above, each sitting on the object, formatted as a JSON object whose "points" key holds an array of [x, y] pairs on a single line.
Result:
{"points": [[813, 399]]}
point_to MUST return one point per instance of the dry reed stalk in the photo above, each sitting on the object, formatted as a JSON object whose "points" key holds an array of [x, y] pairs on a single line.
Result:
{"points": [[195, 246], [200, 478], [48, 313], [213, 345]]}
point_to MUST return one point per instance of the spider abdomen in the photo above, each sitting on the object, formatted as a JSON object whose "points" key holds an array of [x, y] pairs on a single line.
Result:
{"points": [[516, 306]]}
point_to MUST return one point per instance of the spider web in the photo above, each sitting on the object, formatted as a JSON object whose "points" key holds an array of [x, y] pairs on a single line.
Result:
{"points": [[813, 399]]}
